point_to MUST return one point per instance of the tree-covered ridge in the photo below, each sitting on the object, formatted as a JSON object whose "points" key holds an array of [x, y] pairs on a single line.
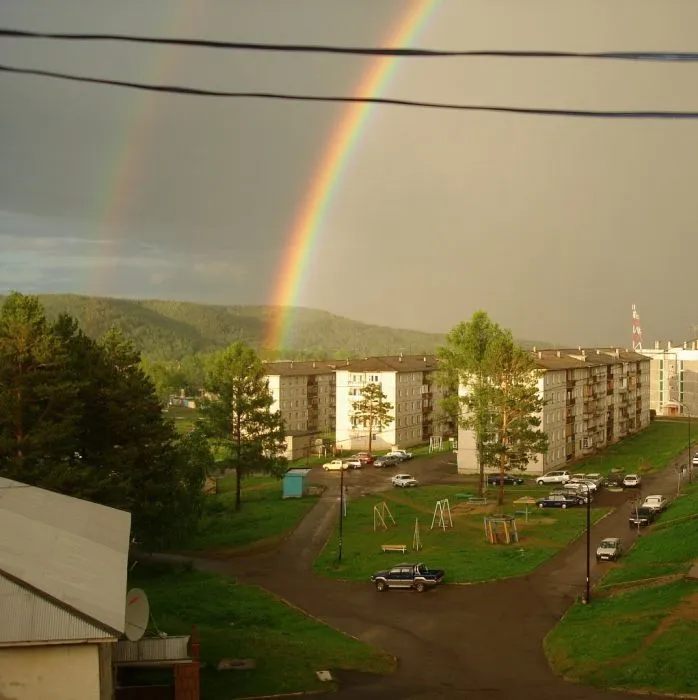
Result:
{"points": [[172, 330]]}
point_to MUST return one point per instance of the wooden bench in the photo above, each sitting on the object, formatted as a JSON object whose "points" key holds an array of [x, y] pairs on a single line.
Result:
{"points": [[522, 512], [478, 501], [394, 548]]}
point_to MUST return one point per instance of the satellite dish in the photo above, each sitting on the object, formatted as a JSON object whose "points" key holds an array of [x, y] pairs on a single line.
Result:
{"points": [[137, 614]]}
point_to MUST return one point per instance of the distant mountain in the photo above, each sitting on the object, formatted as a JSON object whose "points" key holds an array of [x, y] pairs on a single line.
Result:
{"points": [[173, 329]]}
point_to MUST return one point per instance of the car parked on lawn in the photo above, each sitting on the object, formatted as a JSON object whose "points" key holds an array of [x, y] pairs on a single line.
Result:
{"points": [[559, 500], [631, 481], [416, 576], [385, 461], [335, 465], [656, 502], [404, 480], [641, 516], [507, 479], [402, 455], [558, 476], [609, 549]]}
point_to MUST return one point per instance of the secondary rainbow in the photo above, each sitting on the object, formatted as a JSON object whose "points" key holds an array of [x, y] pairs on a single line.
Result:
{"points": [[123, 178], [329, 170]]}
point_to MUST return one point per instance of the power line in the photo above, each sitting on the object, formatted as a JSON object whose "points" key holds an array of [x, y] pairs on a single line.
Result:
{"points": [[291, 97], [672, 56]]}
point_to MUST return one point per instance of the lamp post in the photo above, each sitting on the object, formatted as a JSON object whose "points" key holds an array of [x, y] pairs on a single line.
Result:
{"points": [[587, 596], [341, 511], [690, 458]]}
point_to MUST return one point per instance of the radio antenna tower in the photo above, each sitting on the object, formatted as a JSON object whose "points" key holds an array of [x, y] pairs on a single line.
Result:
{"points": [[637, 331]]}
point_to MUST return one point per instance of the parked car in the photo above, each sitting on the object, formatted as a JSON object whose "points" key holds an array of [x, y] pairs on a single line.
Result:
{"points": [[656, 502], [559, 500], [559, 476], [598, 479], [578, 489], [507, 479], [641, 516], [584, 483], [404, 480], [365, 457], [632, 481], [615, 480], [385, 461], [354, 463], [402, 455], [335, 465], [694, 461], [609, 549], [416, 576]]}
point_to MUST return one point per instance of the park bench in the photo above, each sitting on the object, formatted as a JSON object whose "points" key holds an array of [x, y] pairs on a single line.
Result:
{"points": [[466, 496], [478, 501], [394, 548]]}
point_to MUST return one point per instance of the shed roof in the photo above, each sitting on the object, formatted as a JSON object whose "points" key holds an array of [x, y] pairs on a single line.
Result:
{"points": [[69, 550]]}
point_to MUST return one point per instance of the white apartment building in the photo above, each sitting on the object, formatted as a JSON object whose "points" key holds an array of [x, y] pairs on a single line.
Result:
{"points": [[410, 387], [592, 398], [674, 378], [304, 394]]}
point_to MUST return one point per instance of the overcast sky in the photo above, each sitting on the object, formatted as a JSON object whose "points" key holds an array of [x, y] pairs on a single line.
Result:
{"points": [[555, 226]]}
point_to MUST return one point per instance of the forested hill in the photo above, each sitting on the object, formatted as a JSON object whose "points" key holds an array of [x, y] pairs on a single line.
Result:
{"points": [[170, 330]]}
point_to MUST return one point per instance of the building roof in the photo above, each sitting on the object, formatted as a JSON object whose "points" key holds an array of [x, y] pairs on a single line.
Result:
{"points": [[392, 363], [570, 358], [71, 552], [291, 368]]}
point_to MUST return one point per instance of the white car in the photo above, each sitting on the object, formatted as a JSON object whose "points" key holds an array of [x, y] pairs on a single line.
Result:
{"points": [[335, 465], [584, 483], [656, 502], [598, 479], [632, 480], [404, 480], [695, 460], [353, 463], [560, 476]]}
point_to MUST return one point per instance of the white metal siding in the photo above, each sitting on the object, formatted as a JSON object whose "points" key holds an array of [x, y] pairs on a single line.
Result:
{"points": [[26, 617]]}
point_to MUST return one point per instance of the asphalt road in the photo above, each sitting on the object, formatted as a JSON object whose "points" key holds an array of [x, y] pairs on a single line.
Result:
{"points": [[473, 642]]}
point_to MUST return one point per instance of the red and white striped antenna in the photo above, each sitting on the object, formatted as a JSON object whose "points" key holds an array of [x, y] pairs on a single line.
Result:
{"points": [[637, 331]]}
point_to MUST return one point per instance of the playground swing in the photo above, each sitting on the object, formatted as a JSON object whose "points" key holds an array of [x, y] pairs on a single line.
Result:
{"points": [[442, 515], [380, 511], [501, 529]]}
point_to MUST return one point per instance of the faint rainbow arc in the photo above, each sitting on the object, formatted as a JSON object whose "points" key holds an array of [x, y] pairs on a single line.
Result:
{"points": [[328, 173]]}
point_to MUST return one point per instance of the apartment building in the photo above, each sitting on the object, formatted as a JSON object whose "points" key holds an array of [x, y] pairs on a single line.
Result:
{"points": [[592, 398], [409, 385], [674, 378], [304, 394]]}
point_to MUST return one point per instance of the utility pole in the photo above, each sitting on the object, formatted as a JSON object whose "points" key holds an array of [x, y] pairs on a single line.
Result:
{"points": [[341, 511], [587, 595]]}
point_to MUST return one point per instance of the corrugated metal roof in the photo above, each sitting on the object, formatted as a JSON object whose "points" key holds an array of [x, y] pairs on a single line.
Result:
{"points": [[27, 617], [68, 549]]}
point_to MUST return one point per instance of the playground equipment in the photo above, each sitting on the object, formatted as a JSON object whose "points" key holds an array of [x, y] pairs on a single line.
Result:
{"points": [[435, 443], [501, 529], [380, 511], [442, 515], [416, 539]]}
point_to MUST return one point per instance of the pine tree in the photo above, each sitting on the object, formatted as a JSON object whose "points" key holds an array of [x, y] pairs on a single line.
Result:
{"points": [[238, 416], [372, 410]]}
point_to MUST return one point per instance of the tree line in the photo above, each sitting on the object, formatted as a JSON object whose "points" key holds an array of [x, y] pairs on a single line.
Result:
{"points": [[81, 417]]}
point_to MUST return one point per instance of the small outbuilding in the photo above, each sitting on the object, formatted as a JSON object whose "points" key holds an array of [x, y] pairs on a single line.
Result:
{"points": [[294, 483]]}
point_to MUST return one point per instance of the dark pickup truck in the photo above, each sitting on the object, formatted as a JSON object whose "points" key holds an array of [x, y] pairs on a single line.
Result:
{"points": [[642, 516], [416, 576]]}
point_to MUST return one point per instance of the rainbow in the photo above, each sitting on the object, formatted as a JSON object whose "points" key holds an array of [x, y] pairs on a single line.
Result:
{"points": [[327, 176], [122, 180]]}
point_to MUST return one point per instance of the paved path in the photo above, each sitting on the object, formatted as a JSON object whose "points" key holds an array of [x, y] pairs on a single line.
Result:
{"points": [[467, 642]]}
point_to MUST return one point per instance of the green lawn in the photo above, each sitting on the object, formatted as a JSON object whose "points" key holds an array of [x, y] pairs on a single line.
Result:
{"points": [[463, 550], [243, 622], [645, 637], [639, 639], [264, 515], [647, 451], [184, 418]]}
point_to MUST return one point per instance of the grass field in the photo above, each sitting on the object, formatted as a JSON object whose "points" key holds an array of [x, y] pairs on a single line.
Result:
{"points": [[243, 622], [184, 418], [648, 451], [646, 636], [463, 550], [264, 516]]}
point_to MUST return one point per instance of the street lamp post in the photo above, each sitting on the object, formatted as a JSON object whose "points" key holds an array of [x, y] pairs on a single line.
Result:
{"points": [[587, 597], [690, 458], [341, 511]]}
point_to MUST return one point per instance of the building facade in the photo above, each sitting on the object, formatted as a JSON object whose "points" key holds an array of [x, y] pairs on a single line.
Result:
{"points": [[304, 394], [674, 378], [409, 384], [591, 398]]}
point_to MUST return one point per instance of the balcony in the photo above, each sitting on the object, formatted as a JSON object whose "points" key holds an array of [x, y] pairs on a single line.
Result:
{"points": [[570, 383]]}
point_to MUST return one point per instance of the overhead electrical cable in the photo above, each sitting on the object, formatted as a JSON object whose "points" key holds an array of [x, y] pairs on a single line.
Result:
{"points": [[292, 97], [668, 56]]}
